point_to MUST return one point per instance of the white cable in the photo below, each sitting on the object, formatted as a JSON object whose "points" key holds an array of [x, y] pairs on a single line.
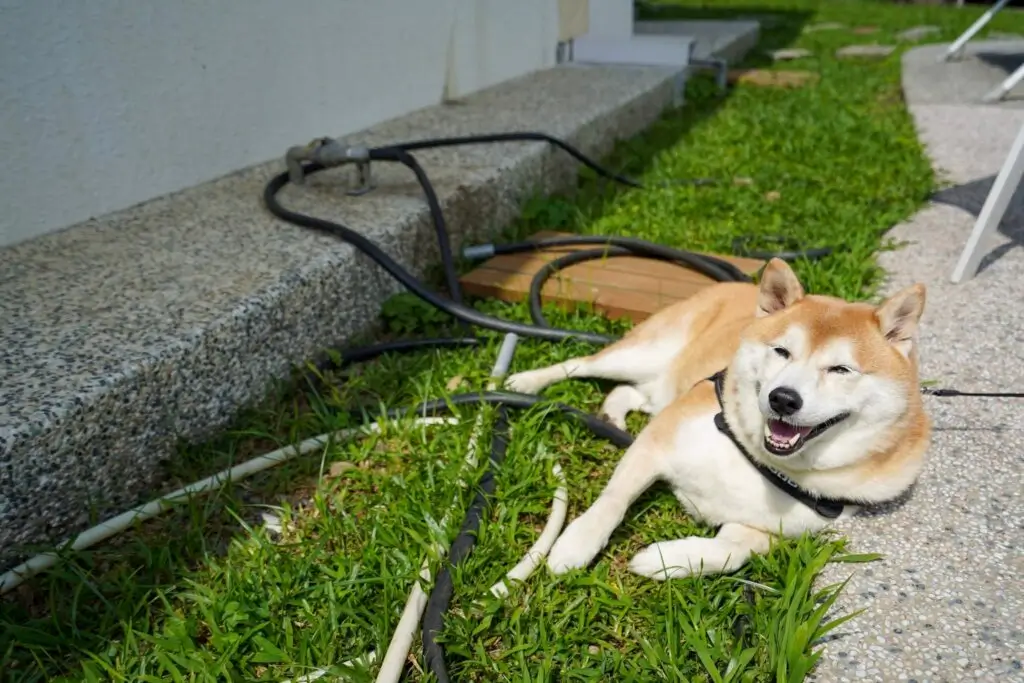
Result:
{"points": [[365, 660], [115, 525], [539, 550]]}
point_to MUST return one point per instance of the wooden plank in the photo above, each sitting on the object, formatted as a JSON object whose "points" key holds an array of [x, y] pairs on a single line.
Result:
{"points": [[768, 78], [617, 287]]}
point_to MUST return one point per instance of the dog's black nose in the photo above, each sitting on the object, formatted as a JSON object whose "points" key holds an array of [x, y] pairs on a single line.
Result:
{"points": [[785, 401]]}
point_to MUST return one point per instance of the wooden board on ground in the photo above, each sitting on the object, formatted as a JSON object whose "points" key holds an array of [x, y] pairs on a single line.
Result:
{"points": [[622, 286], [768, 78]]}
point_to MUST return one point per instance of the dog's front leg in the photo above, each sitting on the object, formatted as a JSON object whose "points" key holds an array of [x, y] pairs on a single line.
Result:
{"points": [[726, 552], [582, 540]]}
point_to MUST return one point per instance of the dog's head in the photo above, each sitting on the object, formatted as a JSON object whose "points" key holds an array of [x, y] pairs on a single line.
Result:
{"points": [[819, 383]]}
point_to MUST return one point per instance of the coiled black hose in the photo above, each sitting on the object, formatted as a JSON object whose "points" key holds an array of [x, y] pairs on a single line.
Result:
{"points": [[715, 268], [457, 310]]}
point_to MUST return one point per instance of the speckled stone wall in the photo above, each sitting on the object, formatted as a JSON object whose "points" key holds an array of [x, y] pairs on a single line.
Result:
{"points": [[123, 334]]}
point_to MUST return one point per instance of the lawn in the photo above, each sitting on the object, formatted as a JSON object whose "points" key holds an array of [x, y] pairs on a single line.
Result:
{"points": [[209, 593]]}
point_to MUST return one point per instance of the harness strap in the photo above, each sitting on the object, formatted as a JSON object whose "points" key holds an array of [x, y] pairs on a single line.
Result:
{"points": [[829, 508]]}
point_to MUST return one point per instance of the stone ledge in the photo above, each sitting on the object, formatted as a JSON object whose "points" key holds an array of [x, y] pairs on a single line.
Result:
{"points": [[128, 332], [730, 40]]}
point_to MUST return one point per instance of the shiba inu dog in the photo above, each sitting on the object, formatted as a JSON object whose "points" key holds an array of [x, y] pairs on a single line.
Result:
{"points": [[774, 411]]}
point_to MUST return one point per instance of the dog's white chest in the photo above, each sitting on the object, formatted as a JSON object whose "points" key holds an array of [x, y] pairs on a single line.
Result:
{"points": [[716, 483]]}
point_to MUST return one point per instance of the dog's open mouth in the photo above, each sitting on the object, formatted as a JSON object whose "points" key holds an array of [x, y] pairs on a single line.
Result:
{"points": [[783, 438]]}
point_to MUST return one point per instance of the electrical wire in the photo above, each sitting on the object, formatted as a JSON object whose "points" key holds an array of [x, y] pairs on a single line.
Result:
{"points": [[949, 393], [111, 527], [790, 249]]}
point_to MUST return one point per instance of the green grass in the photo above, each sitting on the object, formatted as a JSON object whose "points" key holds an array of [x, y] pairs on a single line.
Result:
{"points": [[205, 593]]}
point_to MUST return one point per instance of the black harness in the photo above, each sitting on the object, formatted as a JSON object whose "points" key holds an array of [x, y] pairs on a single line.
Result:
{"points": [[826, 507]]}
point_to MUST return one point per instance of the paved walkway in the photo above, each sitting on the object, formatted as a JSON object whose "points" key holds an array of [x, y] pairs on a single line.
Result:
{"points": [[947, 602]]}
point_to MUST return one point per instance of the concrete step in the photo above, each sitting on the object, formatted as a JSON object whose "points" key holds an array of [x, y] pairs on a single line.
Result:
{"points": [[728, 40], [131, 331]]}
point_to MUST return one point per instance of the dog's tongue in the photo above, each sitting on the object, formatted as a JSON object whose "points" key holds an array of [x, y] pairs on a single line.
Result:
{"points": [[785, 431]]}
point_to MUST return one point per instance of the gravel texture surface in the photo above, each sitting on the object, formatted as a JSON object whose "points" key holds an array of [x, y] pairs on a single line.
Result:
{"points": [[946, 603]]}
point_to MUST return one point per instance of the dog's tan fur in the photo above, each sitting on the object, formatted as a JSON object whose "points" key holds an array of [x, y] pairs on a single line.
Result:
{"points": [[874, 455]]}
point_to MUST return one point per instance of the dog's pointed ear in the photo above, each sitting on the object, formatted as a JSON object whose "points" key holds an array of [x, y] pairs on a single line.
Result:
{"points": [[779, 288], [899, 315]]}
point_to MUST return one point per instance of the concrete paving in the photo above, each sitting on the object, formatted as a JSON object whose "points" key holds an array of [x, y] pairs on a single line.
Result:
{"points": [[963, 81], [947, 601]]}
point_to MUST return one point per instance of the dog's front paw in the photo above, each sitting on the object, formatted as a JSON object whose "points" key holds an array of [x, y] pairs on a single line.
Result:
{"points": [[670, 559], [578, 545], [529, 382]]}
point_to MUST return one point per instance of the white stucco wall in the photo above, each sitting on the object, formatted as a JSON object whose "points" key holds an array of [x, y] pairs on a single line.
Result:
{"points": [[107, 103]]}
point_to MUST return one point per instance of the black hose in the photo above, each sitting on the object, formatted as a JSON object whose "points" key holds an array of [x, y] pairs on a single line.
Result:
{"points": [[458, 311], [715, 268], [441, 594], [509, 399], [437, 217], [362, 354], [532, 136], [536, 303]]}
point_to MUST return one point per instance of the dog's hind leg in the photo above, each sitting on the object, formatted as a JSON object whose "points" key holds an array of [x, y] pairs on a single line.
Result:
{"points": [[641, 466], [635, 360], [726, 552], [621, 401]]}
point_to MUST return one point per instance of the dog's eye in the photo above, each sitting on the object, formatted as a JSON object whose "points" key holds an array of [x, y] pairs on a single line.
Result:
{"points": [[839, 370], [781, 352]]}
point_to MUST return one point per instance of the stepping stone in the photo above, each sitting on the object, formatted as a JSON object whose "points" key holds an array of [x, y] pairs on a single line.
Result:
{"points": [[865, 30], [917, 32], [767, 78], [789, 53], [824, 26], [865, 51]]}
